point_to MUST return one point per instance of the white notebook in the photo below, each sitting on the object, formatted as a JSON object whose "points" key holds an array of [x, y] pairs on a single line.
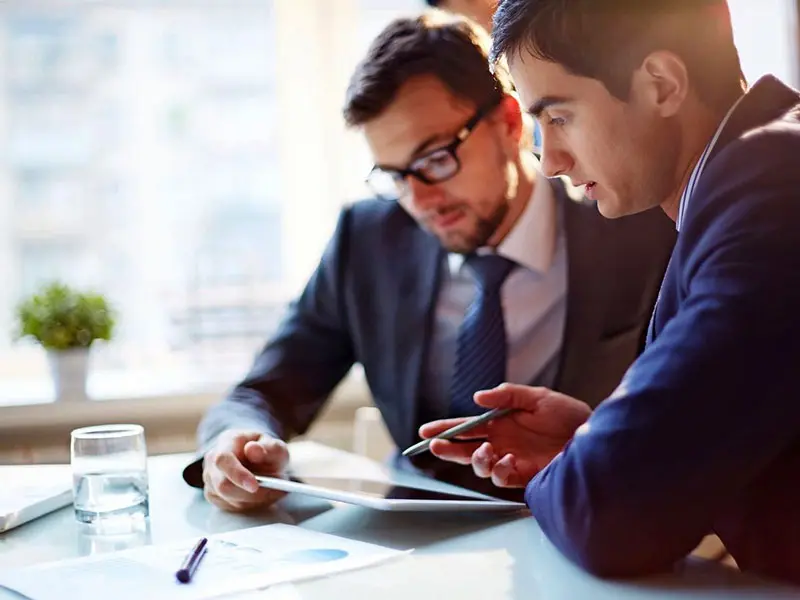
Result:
{"points": [[30, 491]]}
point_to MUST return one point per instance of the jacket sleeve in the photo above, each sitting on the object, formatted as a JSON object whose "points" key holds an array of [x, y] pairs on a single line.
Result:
{"points": [[302, 363], [704, 409]]}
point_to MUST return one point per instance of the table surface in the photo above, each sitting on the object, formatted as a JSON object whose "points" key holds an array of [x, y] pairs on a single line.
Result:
{"points": [[467, 556]]}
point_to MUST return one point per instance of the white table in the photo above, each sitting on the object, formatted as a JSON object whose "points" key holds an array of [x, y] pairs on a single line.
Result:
{"points": [[467, 556]]}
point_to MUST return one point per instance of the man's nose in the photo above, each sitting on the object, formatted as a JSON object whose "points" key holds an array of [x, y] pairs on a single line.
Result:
{"points": [[422, 195], [556, 160]]}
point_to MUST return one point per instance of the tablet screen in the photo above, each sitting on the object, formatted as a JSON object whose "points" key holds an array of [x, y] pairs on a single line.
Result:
{"points": [[379, 489]]}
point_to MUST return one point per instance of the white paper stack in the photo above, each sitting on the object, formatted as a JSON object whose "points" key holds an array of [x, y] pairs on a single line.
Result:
{"points": [[30, 491]]}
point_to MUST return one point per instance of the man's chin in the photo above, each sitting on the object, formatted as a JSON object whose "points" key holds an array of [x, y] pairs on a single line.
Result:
{"points": [[458, 246], [462, 240], [614, 209], [610, 209], [459, 249]]}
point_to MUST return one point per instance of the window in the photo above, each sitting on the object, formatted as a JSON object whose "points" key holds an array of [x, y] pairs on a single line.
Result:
{"points": [[188, 158], [171, 155], [766, 34]]}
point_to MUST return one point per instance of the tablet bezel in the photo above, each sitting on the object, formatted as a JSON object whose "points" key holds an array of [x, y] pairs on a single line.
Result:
{"points": [[391, 504]]}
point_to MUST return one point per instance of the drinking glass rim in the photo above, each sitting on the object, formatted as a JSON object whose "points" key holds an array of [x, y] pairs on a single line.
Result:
{"points": [[116, 430]]}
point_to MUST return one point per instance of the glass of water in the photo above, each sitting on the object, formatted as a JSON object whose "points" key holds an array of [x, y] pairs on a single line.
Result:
{"points": [[109, 473]]}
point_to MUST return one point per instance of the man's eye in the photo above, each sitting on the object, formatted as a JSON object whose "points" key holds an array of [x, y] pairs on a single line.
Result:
{"points": [[557, 121], [437, 159]]}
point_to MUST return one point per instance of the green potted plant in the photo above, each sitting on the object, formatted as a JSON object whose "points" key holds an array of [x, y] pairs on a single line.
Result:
{"points": [[66, 322]]}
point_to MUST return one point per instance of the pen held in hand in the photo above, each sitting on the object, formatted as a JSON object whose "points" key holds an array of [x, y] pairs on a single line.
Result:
{"points": [[424, 445], [189, 566]]}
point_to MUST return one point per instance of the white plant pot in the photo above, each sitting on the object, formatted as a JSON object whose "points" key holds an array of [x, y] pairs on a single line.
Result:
{"points": [[69, 370]]}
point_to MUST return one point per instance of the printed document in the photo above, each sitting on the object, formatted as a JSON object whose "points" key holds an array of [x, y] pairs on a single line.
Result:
{"points": [[235, 562], [30, 491]]}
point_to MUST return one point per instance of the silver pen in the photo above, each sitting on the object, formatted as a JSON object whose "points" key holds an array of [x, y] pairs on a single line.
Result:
{"points": [[424, 445]]}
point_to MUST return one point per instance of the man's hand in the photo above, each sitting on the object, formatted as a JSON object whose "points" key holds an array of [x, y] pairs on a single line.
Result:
{"points": [[512, 449], [228, 469]]}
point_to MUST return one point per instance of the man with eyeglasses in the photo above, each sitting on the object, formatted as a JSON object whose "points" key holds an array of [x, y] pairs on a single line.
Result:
{"points": [[482, 12], [468, 270]]}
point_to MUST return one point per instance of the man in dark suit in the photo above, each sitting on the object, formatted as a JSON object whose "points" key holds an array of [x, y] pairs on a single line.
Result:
{"points": [[703, 433], [479, 271], [480, 11]]}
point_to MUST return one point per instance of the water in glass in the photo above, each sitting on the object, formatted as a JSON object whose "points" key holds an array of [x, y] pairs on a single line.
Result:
{"points": [[109, 470]]}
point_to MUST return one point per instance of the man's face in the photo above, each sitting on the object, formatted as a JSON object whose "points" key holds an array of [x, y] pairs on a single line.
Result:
{"points": [[624, 152], [464, 211], [480, 11]]}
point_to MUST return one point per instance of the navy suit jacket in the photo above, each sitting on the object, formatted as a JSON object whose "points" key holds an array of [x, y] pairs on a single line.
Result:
{"points": [[372, 299], [703, 433]]}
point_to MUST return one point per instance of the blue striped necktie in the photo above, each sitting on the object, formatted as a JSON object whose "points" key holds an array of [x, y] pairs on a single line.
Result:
{"points": [[481, 347]]}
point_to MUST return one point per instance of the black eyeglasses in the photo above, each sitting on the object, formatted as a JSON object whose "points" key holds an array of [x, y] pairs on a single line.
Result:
{"points": [[437, 166]]}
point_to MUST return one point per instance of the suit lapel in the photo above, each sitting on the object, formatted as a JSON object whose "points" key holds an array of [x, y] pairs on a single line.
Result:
{"points": [[653, 326], [419, 277], [585, 302], [765, 101]]}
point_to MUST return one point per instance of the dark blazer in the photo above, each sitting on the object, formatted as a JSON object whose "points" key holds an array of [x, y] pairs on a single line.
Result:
{"points": [[704, 432], [372, 299]]}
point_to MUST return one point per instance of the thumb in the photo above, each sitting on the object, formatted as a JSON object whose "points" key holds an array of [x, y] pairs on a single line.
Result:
{"points": [[267, 452], [512, 395], [506, 473]]}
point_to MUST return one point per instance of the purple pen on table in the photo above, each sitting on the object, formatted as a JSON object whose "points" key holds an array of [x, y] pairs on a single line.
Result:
{"points": [[186, 572]]}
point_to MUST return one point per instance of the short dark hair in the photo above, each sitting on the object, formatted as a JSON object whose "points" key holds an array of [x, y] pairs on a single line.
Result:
{"points": [[433, 3], [452, 48], [608, 39]]}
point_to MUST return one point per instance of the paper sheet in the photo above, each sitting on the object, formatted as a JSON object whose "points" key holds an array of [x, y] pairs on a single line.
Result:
{"points": [[24, 484], [29, 491], [235, 562]]}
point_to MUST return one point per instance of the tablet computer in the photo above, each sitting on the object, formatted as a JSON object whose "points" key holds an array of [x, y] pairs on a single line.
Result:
{"points": [[387, 495]]}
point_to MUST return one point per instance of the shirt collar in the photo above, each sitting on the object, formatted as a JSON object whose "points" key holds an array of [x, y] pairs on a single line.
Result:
{"points": [[531, 241], [701, 164]]}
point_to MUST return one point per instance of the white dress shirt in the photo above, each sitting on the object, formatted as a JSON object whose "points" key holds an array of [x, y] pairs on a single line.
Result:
{"points": [[701, 164], [533, 299]]}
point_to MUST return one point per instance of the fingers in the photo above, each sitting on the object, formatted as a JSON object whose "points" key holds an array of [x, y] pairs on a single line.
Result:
{"points": [[483, 460], [485, 463], [505, 473], [481, 455], [502, 471], [229, 468], [263, 498], [267, 456], [434, 428], [229, 483], [456, 452], [512, 395]]}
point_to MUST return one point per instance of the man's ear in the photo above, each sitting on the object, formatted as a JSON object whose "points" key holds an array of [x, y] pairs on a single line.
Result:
{"points": [[662, 82], [512, 121]]}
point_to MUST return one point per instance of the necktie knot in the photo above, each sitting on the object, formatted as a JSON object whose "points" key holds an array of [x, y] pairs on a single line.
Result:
{"points": [[490, 270]]}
